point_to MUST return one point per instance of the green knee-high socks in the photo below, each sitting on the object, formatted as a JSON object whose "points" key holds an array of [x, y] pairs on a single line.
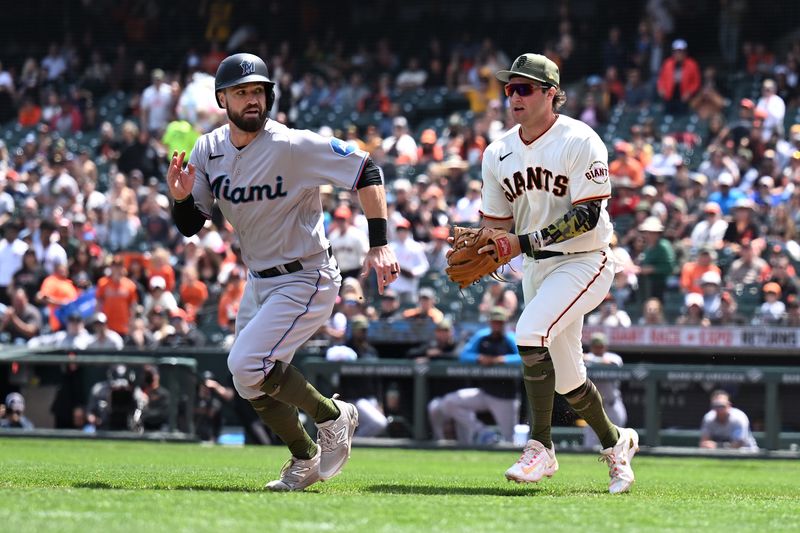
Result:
{"points": [[287, 384], [540, 386], [587, 402], [284, 420]]}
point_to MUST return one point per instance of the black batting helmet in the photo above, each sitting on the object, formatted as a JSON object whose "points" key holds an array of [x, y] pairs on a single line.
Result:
{"points": [[242, 68]]}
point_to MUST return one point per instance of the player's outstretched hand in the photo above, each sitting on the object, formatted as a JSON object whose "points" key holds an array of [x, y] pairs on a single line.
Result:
{"points": [[179, 181], [382, 259]]}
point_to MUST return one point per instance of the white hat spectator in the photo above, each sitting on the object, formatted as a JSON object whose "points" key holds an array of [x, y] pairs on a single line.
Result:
{"points": [[694, 298], [158, 282], [651, 224], [679, 44], [725, 178], [710, 278]]}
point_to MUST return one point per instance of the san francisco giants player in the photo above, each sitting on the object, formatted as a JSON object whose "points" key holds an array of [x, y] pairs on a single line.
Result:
{"points": [[548, 179], [265, 179]]}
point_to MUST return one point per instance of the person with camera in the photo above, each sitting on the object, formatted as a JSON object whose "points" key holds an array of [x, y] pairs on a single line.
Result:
{"points": [[116, 403]]}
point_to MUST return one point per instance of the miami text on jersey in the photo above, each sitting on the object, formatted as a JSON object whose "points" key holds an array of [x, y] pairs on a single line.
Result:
{"points": [[537, 178], [241, 195]]}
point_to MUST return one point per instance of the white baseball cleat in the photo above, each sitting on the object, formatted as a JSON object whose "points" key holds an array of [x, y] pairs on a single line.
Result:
{"points": [[335, 437], [297, 474], [535, 463], [619, 459]]}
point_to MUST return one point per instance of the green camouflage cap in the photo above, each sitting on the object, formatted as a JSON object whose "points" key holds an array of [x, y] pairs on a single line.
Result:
{"points": [[533, 66]]}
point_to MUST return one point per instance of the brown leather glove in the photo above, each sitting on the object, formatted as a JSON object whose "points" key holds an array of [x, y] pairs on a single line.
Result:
{"points": [[466, 265]]}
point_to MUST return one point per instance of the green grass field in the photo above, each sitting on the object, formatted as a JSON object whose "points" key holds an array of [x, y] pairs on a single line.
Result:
{"points": [[54, 485]]}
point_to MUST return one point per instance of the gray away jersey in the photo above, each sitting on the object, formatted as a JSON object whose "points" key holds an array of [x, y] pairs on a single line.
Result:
{"points": [[269, 190]]}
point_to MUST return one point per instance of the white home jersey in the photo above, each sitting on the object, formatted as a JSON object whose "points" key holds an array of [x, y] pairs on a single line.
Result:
{"points": [[269, 190], [538, 182]]}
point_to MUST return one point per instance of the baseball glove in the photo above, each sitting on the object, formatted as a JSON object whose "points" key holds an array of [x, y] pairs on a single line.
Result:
{"points": [[465, 265]]}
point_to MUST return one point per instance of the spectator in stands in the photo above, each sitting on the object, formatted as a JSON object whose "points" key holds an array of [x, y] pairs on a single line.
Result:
{"points": [[389, 306], [609, 389], [467, 208], [14, 417], [29, 114], [116, 297], [48, 250], [694, 314], [625, 164], [183, 334], [193, 292], [426, 308], [156, 105], [413, 263], [726, 196], [429, 151], [29, 277], [708, 101], [653, 313], [666, 162], [775, 108], [729, 312], [73, 337], [637, 94], [726, 426], [412, 77], [160, 266], [624, 200], [140, 337], [350, 244], [487, 347], [711, 289], [693, 271], [742, 230], [748, 268], [497, 294], [443, 345], [20, 321], [230, 300], [436, 250], [679, 79], [658, 260], [783, 273], [400, 147], [12, 250], [102, 337], [792, 319], [709, 232], [56, 290], [718, 162], [609, 314], [773, 311]]}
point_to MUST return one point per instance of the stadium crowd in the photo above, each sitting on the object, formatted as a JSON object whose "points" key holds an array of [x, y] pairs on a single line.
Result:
{"points": [[705, 164]]}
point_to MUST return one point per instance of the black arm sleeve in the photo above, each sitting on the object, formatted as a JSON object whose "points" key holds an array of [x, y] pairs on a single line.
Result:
{"points": [[370, 175], [187, 217]]}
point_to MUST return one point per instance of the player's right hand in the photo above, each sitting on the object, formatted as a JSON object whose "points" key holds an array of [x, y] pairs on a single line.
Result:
{"points": [[179, 181]]}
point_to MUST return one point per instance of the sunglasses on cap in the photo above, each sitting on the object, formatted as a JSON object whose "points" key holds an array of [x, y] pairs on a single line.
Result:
{"points": [[522, 89]]}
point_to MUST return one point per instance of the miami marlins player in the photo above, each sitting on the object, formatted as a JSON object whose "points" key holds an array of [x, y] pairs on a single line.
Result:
{"points": [[265, 178], [547, 178]]}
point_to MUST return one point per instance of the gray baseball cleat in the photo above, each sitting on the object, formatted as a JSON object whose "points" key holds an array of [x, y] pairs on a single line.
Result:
{"points": [[335, 437], [297, 474]]}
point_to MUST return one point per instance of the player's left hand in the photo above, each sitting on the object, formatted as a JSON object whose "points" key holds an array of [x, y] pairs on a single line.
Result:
{"points": [[382, 259]]}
